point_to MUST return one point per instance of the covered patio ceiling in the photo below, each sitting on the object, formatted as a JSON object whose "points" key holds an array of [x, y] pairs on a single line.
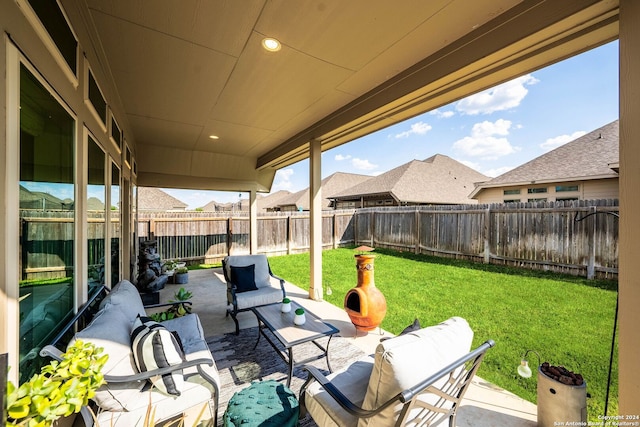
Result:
{"points": [[185, 70]]}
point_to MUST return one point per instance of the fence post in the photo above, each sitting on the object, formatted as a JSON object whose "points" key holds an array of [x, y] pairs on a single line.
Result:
{"points": [[417, 228], [487, 235], [335, 231], [591, 266], [289, 233], [229, 234]]}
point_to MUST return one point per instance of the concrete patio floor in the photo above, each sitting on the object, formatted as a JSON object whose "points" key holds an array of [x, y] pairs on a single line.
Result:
{"points": [[485, 405]]}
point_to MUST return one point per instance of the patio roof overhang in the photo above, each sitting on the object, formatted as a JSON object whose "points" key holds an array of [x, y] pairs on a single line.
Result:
{"points": [[345, 69]]}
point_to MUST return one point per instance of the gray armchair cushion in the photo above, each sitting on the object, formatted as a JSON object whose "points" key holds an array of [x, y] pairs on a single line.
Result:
{"points": [[261, 267]]}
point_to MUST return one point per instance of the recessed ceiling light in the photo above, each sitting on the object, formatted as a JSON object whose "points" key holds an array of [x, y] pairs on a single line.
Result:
{"points": [[214, 136], [271, 44]]}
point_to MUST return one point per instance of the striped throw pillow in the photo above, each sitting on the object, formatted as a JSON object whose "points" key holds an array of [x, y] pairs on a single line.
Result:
{"points": [[154, 346]]}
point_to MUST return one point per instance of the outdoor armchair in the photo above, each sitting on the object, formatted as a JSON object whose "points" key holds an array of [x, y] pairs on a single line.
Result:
{"points": [[417, 379], [250, 283]]}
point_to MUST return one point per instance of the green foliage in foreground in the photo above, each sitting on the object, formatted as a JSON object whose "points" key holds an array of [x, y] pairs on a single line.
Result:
{"points": [[61, 389], [567, 320]]}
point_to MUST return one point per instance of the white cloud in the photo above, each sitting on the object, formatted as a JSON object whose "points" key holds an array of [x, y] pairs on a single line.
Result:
{"points": [[419, 128], [556, 142], [363, 164], [498, 171], [340, 157], [502, 97], [487, 141], [442, 114], [282, 180]]}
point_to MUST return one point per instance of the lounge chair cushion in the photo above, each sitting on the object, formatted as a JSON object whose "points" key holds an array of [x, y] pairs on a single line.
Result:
{"points": [[404, 360], [352, 383], [261, 267]]}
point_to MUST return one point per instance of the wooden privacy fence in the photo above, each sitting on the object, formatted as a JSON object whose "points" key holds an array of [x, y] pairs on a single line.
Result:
{"points": [[577, 237], [207, 237]]}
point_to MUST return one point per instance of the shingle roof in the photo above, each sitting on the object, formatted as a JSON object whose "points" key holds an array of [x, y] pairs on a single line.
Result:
{"points": [[436, 180], [589, 157], [154, 199], [333, 184]]}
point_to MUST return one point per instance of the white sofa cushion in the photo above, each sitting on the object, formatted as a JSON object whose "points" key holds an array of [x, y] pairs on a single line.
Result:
{"points": [[110, 329], [125, 297], [403, 361]]}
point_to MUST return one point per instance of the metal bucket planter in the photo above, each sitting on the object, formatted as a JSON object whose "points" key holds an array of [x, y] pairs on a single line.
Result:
{"points": [[558, 402], [180, 278]]}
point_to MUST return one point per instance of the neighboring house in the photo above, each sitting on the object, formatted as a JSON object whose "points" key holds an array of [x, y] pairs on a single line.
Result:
{"points": [[154, 199], [333, 184], [438, 180], [265, 203], [37, 200], [583, 169]]}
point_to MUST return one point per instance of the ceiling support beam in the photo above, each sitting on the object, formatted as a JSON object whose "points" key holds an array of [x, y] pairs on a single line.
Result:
{"points": [[315, 203]]}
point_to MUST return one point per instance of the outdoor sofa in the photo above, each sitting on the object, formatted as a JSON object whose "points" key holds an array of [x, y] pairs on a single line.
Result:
{"points": [[128, 392]]}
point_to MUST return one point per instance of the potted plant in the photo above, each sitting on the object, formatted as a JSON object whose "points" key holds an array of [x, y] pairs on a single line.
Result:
{"points": [[169, 267], [176, 310], [60, 390], [181, 276]]}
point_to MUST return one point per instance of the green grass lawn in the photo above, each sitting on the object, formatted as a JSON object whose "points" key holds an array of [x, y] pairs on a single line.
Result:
{"points": [[567, 320]]}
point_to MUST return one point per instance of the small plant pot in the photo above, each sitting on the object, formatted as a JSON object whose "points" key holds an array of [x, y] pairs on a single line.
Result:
{"points": [[286, 305], [181, 278], [299, 318]]}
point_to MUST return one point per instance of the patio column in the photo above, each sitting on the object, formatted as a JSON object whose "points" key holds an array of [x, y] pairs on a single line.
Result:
{"points": [[315, 203], [629, 278], [253, 222]]}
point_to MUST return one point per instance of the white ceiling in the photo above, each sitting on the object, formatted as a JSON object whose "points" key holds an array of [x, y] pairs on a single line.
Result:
{"points": [[185, 70]]}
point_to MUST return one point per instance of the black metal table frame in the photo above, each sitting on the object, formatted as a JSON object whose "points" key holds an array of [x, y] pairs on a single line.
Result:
{"points": [[287, 356]]}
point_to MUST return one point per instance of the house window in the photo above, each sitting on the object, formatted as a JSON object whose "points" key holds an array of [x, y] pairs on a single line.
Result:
{"points": [[511, 200], [47, 219], [562, 188], [54, 22], [96, 211], [96, 99], [542, 199], [509, 192], [116, 134], [115, 215], [537, 190]]}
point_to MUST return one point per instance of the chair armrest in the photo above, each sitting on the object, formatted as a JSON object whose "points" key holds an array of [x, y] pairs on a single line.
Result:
{"points": [[52, 352], [143, 376], [339, 397]]}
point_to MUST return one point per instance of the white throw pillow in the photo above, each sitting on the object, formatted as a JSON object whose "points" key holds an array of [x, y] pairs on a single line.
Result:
{"points": [[154, 346]]}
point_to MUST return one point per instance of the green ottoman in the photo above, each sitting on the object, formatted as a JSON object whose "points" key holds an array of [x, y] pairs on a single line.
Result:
{"points": [[263, 403]]}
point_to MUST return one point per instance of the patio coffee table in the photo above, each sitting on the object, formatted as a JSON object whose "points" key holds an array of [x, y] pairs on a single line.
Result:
{"points": [[289, 335]]}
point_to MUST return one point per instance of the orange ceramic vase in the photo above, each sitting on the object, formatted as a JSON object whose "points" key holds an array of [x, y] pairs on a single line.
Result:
{"points": [[365, 304]]}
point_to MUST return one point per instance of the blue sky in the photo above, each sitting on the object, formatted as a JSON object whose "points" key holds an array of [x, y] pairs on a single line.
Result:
{"points": [[492, 131]]}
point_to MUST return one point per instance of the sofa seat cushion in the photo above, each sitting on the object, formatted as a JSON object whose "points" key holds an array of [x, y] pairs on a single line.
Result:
{"points": [[110, 330], [262, 296], [351, 382], [403, 361], [195, 389]]}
